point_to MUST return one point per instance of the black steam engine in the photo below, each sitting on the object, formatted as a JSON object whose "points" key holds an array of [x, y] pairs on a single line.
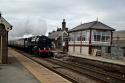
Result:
{"points": [[36, 45]]}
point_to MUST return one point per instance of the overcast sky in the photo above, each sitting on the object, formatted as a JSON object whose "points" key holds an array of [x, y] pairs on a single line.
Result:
{"points": [[47, 15]]}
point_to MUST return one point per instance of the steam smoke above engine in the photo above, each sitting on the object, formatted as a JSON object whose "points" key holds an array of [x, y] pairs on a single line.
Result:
{"points": [[26, 27]]}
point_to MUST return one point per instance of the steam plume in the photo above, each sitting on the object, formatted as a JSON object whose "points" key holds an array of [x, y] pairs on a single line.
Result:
{"points": [[25, 27]]}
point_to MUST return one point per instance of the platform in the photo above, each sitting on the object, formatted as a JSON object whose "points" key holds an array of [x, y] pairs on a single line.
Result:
{"points": [[42, 74], [98, 58], [15, 72]]}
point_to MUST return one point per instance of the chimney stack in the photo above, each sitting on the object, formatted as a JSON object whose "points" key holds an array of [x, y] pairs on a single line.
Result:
{"points": [[63, 25], [0, 14]]}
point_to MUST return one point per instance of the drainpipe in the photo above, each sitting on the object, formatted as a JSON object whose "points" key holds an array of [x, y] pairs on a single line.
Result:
{"points": [[90, 43]]}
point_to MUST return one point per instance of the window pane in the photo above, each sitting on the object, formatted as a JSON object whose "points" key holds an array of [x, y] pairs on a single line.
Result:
{"points": [[84, 36], [71, 37], [98, 37], [108, 33], [103, 33], [75, 36], [95, 38], [98, 33], [103, 39], [107, 38], [103, 36], [78, 36]]}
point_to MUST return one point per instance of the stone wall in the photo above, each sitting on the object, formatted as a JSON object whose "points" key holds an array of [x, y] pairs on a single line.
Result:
{"points": [[3, 44], [117, 52]]}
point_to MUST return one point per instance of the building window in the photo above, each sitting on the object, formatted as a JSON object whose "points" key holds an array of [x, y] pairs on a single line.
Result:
{"points": [[83, 37], [71, 37], [75, 36], [103, 36], [87, 35], [97, 36], [78, 36], [108, 36]]}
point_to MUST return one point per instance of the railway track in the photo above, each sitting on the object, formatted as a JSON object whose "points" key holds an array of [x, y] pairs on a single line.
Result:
{"points": [[107, 66], [75, 72], [93, 71]]}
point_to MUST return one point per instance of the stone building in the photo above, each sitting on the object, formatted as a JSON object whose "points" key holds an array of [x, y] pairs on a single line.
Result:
{"points": [[60, 37], [5, 27], [90, 39], [118, 48]]}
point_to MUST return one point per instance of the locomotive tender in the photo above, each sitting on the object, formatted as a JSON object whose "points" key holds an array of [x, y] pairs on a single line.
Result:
{"points": [[36, 45]]}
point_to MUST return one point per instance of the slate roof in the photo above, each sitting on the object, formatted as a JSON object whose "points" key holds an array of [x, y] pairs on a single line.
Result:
{"points": [[92, 25], [5, 22], [55, 34]]}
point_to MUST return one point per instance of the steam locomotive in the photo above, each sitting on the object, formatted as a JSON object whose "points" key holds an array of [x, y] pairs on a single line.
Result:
{"points": [[36, 45]]}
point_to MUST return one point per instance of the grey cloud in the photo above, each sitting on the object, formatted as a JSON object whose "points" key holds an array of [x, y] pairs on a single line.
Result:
{"points": [[74, 11]]}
